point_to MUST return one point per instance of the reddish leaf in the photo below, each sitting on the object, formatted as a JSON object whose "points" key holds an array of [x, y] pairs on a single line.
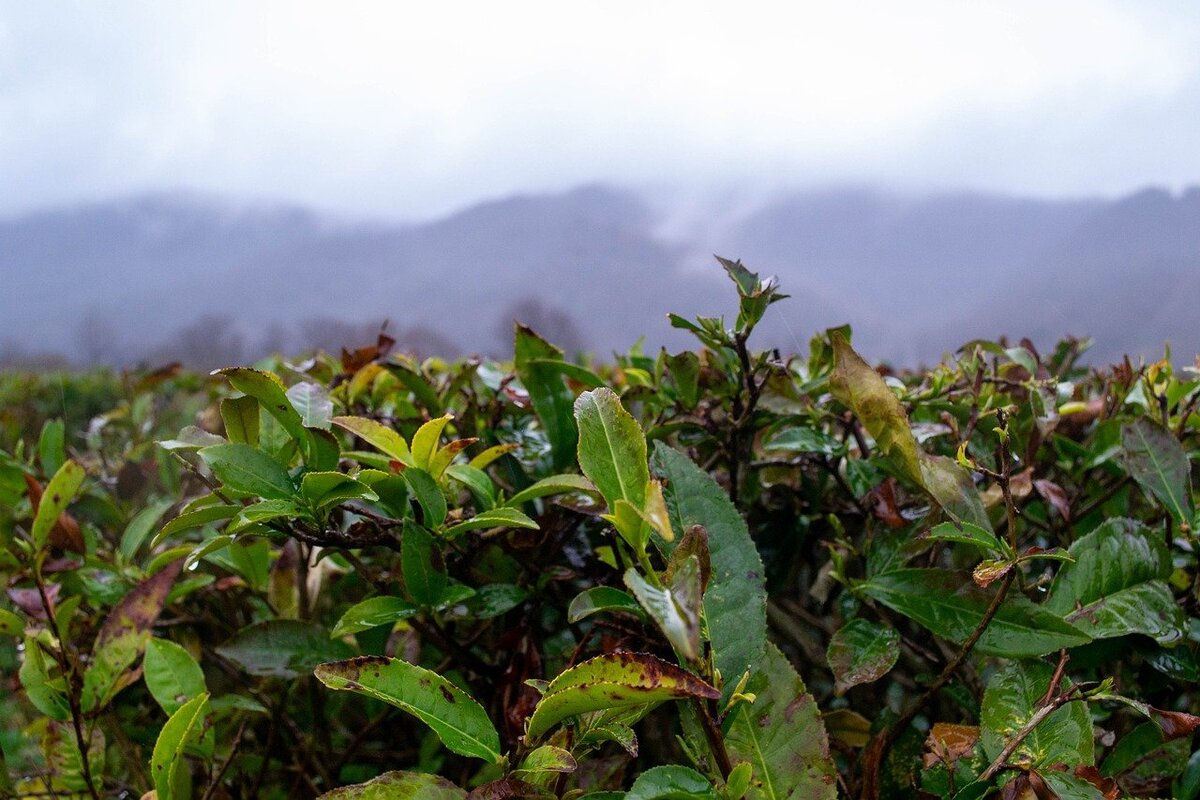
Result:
{"points": [[507, 789], [30, 600], [139, 610], [1053, 494], [65, 534]]}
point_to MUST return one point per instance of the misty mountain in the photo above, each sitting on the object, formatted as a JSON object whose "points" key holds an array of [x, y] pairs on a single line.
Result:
{"points": [[208, 279]]}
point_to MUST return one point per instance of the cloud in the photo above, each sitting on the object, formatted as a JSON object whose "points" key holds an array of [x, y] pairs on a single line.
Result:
{"points": [[410, 109]]}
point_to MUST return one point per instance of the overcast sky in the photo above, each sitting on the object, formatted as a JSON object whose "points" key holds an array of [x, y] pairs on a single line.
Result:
{"points": [[410, 109]]}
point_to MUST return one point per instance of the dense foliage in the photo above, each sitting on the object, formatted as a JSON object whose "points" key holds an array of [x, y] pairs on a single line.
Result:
{"points": [[714, 574]]}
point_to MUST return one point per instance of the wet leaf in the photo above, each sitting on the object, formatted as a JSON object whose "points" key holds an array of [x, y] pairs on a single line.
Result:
{"points": [[247, 469], [1157, 461], [372, 613], [172, 675], [735, 603], [312, 403], [617, 680], [282, 648], [781, 735], [399, 786], [459, 721], [861, 652], [240, 415], [496, 518], [425, 441], [167, 765], [950, 605], [671, 783], [675, 609], [864, 392], [551, 398], [555, 484], [54, 501], [123, 636], [1012, 697], [270, 392], [378, 435], [1117, 584], [602, 598], [612, 448]]}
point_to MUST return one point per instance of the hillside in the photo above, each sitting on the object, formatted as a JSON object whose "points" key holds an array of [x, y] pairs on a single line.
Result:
{"points": [[157, 276]]}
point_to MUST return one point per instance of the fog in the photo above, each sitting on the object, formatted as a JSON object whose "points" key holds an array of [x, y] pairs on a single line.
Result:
{"points": [[153, 156]]}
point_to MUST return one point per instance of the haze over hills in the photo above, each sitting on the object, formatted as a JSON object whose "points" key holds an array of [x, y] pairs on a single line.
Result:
{"points": [[213, 280]]}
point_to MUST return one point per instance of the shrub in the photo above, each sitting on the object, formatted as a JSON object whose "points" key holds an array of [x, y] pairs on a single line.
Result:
{"points": [[714, 574]]}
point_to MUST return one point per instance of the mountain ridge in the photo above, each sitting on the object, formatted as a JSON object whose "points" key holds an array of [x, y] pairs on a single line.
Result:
{"points": [[129, 279]]}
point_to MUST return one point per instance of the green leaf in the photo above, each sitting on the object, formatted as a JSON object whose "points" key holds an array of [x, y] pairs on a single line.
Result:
{"points": [[428, 494], [676, 613], [1012, 697], [282, 648], [950, 605], [46, 694], [270, 392], [671, 782], [477, 483], [248, 469], [191, 438], [612, 448], [410, 374], [167, 765], [864, 392], [459, 721], [425, 441], [399, 786], [378, 435], [617, 680], [52, 448], [735, 603], [312, 403], [862, 652], [781, 735], [495, 599], [172, 675], [601, 598], [685, 373], [496, 518], [568, 370], [485, 459], [966, 533], [372, 613], [424, 575], [240, 415], [324, 489], [548, 393], [1157, 461], [10, 623], [555, 484], [951, 486], [1117, 584], [195, 519], [140, 526], [545, 763], [58, 495], [804, 440]]}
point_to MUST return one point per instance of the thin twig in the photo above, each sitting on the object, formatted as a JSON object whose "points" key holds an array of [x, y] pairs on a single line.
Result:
{"points": [[1038, 718]]}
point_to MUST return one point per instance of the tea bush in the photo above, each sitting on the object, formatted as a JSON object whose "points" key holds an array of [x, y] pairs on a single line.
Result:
{"points": [[720, 573]]}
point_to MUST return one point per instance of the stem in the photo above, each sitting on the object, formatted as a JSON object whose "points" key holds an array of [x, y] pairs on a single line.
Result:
{"points": [[1038, 718], [233, 750], [74, 681], [716, 742]]}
